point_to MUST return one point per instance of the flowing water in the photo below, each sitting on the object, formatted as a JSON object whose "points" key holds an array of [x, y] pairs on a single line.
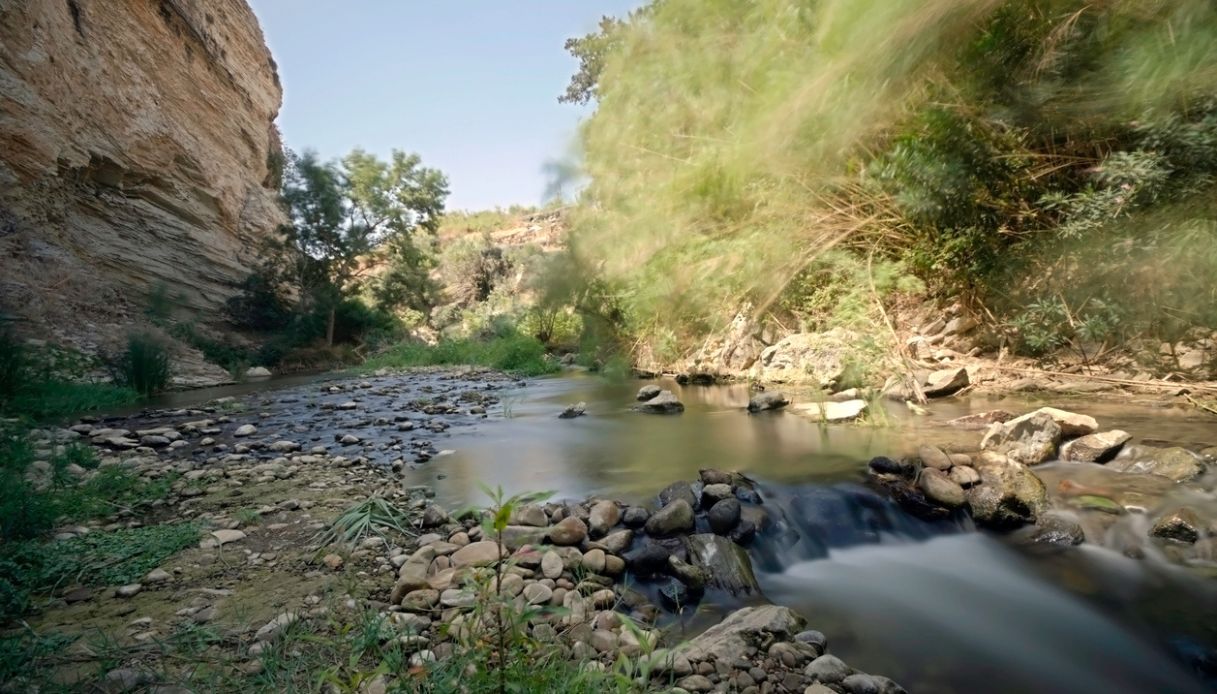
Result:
{"points": [[939, 607]]}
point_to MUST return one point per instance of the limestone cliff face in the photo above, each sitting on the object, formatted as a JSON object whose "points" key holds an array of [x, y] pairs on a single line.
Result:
{"points": [[136, 148]]}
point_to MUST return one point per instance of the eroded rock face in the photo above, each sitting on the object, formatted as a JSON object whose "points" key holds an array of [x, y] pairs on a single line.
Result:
{"points": [[136, 148]]}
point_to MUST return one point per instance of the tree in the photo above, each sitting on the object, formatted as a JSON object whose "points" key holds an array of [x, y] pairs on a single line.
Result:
{"points": [[591, 51], [343, 215]]}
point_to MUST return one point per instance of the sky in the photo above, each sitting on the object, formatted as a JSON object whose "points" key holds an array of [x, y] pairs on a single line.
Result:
{"points": [[470, 85]]}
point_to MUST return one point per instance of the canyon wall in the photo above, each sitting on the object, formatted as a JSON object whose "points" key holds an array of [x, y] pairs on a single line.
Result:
{"points": [[137, 151]]}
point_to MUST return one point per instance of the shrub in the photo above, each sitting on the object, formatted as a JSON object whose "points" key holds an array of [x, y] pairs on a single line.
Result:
{"points": [[520, 354], [12, 366], [260, 305], [144, 366], [39, 385]]}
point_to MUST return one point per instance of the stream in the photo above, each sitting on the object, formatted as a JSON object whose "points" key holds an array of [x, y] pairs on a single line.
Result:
{"points": [[938, 607]]}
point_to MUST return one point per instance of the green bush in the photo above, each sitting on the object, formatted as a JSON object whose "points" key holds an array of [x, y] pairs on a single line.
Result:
{"points": [[12, 367], [144, 366], [41, 384], [260, 305], [512, 352]]}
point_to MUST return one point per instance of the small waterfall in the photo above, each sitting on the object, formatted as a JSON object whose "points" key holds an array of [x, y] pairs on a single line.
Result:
{"points": [[810, 520]]}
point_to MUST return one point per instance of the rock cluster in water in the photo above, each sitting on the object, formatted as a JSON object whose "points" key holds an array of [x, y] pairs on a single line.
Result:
{"points": [[998, 484]]}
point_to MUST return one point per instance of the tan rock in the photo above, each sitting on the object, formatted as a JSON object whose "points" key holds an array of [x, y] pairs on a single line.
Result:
{"points": [[482, 553], [135, 141]]}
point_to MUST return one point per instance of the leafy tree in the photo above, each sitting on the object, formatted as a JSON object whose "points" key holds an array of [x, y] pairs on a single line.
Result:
{"points": [[591, 51], [347, 215]]}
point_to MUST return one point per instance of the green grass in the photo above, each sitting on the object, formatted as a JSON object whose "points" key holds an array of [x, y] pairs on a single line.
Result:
{"points": [[518, 354], [32, 568], [45, 384], [29, 508]]}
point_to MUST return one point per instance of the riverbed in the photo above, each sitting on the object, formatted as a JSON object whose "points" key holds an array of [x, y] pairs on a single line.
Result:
{"points": [[939, 607]]}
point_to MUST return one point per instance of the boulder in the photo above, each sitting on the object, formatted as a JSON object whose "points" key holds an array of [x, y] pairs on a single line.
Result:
{"points": [[934, 457], [980, 420], [938, 487], [1182, 525], [552, 565], [817, 359], [768, 400], [568, 531], [602, 517], [616, 542], [1095, 448], [482, 553], [713, 493], [709, 476], [572, 411], [257, 372], [648, 560], [663, 403], [530, 515], [635, 516], [964, 475], [674, 518], [725, 563], [647, 392], [744, 630], [832, 411], [518, 536], [537, 593], [678, 490], [827, 669], [245, 430], [225, 536], [724, 515], [883, 465], [1030, 439], [945, 382], [1178, 464], [1009, 495], [1056, 528], [1071, 424], [694, 577]]}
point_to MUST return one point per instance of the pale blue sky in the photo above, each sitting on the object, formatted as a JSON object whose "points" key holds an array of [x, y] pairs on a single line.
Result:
{"points": [[471, 85]]}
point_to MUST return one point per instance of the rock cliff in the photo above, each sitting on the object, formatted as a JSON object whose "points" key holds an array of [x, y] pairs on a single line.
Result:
{"points": [[137, 149]]}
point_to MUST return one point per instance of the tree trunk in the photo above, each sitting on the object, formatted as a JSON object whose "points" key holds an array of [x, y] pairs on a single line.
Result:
{"points": [[329, 329]]}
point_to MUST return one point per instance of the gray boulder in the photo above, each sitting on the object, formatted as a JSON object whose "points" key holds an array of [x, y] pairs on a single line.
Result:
{"points": [[945, 382], [769, 400], [663, 403], [647, 392], [939, 488], [724, 515], [1178, 464], [672, 519], [1009, 495], [1029, 440], [725, 563], [1095, 448], [572, 411], [743, 630]]}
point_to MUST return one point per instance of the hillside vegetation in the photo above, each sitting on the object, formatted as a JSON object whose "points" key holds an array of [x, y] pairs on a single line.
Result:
{"points": [[1048, 162]]}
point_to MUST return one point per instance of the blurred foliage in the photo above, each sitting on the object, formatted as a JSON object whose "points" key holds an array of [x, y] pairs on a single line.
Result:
{"points": [[1049, 160]]}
